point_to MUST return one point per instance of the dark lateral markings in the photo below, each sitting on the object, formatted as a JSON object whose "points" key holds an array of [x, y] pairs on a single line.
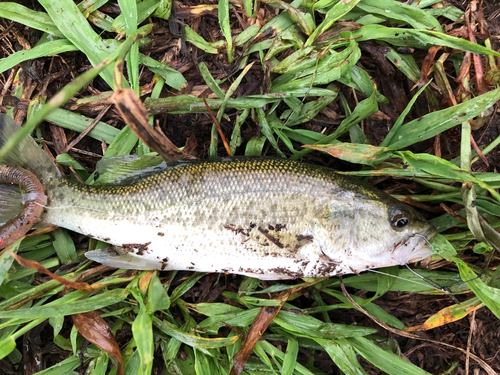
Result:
{"points": [[275, 234], [271, 238], [139, 248]]}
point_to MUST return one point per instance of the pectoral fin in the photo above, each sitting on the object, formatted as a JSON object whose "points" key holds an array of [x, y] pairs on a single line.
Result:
{"points": [[114, 256]]}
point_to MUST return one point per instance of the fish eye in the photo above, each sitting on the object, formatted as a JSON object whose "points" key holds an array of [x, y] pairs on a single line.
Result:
{"points": [[399, 220], [401, 223]]}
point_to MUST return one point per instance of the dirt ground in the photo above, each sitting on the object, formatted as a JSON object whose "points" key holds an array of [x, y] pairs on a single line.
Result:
{"points": [[480, 332]]}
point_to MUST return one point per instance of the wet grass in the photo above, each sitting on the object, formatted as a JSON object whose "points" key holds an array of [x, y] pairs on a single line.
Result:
{"points": [[333, 76]]}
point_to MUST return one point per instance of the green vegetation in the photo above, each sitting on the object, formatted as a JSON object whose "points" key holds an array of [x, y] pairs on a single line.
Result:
{"points": [[310, 56]]}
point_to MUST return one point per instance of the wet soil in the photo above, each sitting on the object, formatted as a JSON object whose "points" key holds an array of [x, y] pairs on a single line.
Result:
{"points": [[46, 76]]}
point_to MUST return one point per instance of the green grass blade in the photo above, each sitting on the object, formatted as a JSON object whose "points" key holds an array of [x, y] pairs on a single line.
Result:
{"points": [[388, 362], [65, 367], [437, 122], [404, 13], [46, 49], [64, 245], [267, 131], [74, 26], [142, 329], [423, 39], [60, 307], [210, 81], [340, 9], [68, 92], [343, 355], [355, 153], [235, 141], [329, 68], [36, 20], [7, 346], [129, 13], [198, 41], [223, 11], [255, 146], [197, 342], [399, 121], [364, 109], [488, 295], [144, 10], [158, 298], [78, 123], [290, 360], [6, 260]]}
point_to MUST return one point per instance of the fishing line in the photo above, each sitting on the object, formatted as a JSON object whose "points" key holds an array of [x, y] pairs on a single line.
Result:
{"points": [[401, 278], [35, 197], [428, 281], [431, 282], [435, 285], [70, 206], [425, 238]]}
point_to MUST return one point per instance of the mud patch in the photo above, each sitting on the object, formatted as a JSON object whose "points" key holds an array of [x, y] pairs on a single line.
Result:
{"points": [[136, 248], [286, 272]]}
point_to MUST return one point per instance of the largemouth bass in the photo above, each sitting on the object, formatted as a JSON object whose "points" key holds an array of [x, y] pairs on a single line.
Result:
{"points": [[261, 217]]}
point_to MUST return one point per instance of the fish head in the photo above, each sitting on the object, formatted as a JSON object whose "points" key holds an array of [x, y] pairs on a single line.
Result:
{"points": [[366, 232]]}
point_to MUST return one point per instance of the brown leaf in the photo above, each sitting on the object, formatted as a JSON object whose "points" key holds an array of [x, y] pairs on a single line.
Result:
{"points": [[403, 333], [464, 72], [426, 66], [478, 66], [448, 315], [144, 281], [134, 114], [59, 139], [27, 263], [478, 151], [219, 129], [259, 326], [453, 213], [415, 203], [91, 326]]}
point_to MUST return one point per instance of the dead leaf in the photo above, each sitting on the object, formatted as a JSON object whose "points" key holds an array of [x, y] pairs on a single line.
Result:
{"points": [[415, 203], [255, 332], [144, 281], [219, 129], [134, 114], [478, 66], [426, 66], [355, 153], [478, 150], [486, 367], [94, 328], [448, 315], [27, 263], [59, 139], [259, 326]]}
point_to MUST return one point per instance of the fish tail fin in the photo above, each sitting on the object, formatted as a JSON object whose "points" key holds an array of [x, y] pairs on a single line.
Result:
{"points": [[26, 154], [10, 202]]}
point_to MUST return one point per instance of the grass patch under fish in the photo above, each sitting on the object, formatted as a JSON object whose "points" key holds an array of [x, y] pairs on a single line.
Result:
{"points": [[311, 81]]}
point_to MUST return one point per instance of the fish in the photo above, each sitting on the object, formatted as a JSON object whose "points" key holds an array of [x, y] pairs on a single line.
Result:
{"points": [[268, 218]]}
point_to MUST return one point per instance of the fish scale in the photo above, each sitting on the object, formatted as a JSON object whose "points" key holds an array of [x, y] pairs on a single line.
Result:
{"points": [[263, 217]]}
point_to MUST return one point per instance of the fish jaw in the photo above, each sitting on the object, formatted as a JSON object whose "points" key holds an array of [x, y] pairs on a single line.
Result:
{"points": [[418, 245], [415, 248]]}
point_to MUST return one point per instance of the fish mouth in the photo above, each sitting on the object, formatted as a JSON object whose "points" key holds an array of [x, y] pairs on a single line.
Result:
{"points": [[420, 244]]}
